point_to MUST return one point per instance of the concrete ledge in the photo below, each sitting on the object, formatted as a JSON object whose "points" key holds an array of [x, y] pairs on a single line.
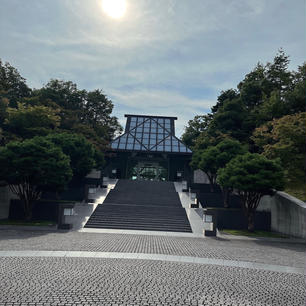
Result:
{"points": [[288, 214]]}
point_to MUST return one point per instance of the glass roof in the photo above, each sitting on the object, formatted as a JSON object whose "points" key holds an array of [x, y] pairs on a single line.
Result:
{"points": [[153, 134]]}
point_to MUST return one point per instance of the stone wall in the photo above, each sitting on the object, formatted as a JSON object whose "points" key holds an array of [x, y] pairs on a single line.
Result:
{"points": [[288, 214], [5, 197], [96, 174], [199, 177]]}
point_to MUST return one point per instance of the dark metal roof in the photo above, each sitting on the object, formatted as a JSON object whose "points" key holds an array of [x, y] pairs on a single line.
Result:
{"points": [[149, 134], [149, 116]]}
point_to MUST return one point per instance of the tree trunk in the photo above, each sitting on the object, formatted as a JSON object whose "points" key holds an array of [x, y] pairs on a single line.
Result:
{"points": [[251, 221], [225, 193], [211, 182], [28, 194], [28, 210]]}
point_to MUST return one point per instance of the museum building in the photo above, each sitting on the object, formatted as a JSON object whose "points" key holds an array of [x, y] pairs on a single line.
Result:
{"points": [[148, 150]]}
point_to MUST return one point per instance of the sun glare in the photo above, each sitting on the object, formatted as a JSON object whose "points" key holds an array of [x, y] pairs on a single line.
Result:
{"points": [[114, 8]]}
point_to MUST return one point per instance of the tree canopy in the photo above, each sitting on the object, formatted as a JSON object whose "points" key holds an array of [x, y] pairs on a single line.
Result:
{"points": [[257, 114], [59, 106], [32, 166], [285, 138], [82, 154], [253, 176], [50, 134]]}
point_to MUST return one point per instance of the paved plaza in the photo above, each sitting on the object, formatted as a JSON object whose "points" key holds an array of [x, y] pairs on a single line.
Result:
{"points": [[80, 268]]}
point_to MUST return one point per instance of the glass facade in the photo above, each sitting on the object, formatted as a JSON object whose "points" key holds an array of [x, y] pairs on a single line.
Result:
{"points": [[153, 134]]}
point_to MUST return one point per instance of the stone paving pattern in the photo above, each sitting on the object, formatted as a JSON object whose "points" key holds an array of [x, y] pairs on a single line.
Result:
{"points": [[83, 281], [67, 281], [276, 253]]}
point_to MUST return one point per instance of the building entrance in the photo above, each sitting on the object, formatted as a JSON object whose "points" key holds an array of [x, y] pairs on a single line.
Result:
{"points": [[149, 171]]}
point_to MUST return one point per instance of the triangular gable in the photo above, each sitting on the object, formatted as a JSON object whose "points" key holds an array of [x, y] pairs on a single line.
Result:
{"points": [[149, 134]]}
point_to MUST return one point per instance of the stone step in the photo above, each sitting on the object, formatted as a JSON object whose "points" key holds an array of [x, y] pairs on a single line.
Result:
{"points": [[140, 205], [139, 227]]}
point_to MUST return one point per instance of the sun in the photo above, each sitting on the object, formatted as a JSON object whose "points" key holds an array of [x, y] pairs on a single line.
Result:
{"points": [[114, 8]]}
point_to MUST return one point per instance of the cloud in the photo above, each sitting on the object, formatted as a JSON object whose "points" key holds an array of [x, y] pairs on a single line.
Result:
{"points": [[167, 57], [160, 103]]}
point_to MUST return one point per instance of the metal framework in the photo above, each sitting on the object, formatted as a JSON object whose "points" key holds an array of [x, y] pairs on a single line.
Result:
{"points": [[149, 134]]}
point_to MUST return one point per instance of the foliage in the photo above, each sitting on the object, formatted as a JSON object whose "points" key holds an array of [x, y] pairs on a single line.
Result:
{"points": [[91, 108], [226, 95], [215, 157], [29, 121], [82, 154], [12, 85], [266, 94], [230, 118], [285, 138], [194, 129], [31, 166], [227, 150], [253, 176]]}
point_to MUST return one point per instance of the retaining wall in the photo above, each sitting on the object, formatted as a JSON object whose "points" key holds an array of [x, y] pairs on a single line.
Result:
{"points": [[288, 214]]}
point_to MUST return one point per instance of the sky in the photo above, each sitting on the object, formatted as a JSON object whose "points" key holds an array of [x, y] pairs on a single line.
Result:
{"points": [[163, 57]]}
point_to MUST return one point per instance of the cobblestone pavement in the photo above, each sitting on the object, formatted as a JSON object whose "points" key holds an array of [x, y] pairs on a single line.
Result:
{"points": [[50, 281], [286, 254], [83, 281]]}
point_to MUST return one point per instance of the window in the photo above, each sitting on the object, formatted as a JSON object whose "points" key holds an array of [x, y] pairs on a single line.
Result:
{"points": [[168, 142], [137, 146], [174, 142]]}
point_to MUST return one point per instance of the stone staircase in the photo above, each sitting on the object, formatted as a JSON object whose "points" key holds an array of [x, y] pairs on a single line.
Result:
{"points": [[141, 205]]}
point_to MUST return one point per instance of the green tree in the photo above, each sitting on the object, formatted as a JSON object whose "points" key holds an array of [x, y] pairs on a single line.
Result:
{"points": [[225, 96], [253, 176], [226, 151], [29, 121], [230, 119], [81, 107], [253, 88], [12, 85], [32, 166], [277, 73], [83, 156], [4, 102], [215, 157], [205, 160], [97, 113], [285, 138], [296, 98], [194, 128]]}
